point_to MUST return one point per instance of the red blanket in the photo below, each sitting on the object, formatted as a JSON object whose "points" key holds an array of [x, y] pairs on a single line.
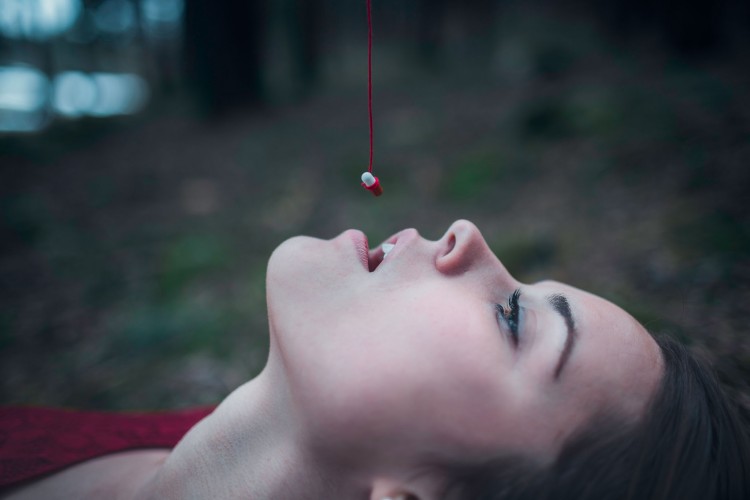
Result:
{"points": [[38, 441]]}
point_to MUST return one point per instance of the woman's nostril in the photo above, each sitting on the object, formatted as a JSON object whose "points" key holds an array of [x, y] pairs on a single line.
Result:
{"points": [[451, 243], [462, 247]]}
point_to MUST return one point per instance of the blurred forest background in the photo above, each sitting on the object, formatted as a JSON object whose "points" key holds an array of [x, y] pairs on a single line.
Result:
{"points": [[154, 152]]}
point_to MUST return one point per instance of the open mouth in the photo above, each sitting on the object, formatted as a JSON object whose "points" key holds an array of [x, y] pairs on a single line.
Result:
{"points": [[377, 255]]}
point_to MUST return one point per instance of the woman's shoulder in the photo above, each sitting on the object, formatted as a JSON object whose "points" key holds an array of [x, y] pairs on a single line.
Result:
{"points": [[118, 476]]}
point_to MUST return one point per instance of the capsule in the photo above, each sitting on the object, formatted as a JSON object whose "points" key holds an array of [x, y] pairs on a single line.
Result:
{"points": [[372, 184]]}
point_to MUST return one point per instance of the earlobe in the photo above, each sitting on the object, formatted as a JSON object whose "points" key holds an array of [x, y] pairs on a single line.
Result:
{"points": [[387, 490], [401, 496]]}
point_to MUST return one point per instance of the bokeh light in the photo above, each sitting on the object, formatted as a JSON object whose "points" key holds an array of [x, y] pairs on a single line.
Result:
{"points": [[74, 94], [161, 18], [118, 94], [77, 94], [23, 98], [116, 17], [37, 19]]}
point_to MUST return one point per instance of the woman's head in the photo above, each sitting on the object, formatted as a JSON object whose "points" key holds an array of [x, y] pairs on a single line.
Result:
{"points": [[426, 355], [691, 444]]}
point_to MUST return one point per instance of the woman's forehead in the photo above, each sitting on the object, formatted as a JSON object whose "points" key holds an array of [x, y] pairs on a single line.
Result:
{"points": [[613, 347]]}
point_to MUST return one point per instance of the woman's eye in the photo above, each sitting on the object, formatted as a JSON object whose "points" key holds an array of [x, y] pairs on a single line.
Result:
{"points": [[510, 314]]}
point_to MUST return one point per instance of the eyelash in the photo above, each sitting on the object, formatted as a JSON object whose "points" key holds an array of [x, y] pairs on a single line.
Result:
{"points": [[510, 316]]}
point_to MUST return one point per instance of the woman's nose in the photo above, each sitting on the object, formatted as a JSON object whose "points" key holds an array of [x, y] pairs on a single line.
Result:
{"points": [[463, 248]]}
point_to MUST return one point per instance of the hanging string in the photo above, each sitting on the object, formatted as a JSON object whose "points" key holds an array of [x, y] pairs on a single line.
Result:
{"points": [[369, 76], [369, 181]]}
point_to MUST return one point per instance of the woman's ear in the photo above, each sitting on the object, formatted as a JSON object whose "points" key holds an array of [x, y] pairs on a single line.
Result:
{"points": [[398, 496]]}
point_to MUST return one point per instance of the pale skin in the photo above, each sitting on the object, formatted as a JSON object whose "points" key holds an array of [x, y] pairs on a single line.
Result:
{"points": [[378, 365]]}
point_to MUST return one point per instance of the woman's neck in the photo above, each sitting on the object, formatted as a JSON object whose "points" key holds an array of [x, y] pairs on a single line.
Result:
{"points": [[248, 448]]}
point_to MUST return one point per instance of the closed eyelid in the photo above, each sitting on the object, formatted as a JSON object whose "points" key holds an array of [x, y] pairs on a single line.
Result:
{"points": [[559, 303]]}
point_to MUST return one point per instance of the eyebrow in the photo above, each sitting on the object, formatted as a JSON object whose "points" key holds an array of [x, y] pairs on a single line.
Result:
{"points": [[560, 304]]}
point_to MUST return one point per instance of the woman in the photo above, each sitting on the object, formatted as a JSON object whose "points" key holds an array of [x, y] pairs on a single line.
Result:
{"points": [[423, 370]]}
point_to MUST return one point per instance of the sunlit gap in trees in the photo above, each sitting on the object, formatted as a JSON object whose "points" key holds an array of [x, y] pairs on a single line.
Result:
{"points": [[37, 87]]}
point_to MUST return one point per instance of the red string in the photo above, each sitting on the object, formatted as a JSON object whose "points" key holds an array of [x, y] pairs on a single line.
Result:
{"points": [[369, 76]]}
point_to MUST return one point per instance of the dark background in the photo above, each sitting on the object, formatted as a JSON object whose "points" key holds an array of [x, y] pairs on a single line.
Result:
{"points": [[605, 144]]}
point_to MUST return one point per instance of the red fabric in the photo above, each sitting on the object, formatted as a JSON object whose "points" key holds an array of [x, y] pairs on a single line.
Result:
{"points": [[38, 441]]}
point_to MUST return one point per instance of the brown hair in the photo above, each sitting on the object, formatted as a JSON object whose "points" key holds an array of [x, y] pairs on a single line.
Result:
{"points": [[691, 444]]}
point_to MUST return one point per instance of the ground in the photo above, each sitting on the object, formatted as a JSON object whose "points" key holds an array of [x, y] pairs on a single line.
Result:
{"points": [[133, 252]]}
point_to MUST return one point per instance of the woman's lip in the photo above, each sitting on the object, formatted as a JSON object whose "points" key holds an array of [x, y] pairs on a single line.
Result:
{"points": [[361, 246]]}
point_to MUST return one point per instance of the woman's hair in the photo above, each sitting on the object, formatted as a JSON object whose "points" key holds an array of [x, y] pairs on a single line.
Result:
{"points": [[691, 444]]}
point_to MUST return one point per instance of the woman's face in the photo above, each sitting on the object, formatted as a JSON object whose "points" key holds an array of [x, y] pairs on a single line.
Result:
{"points": [[427, 351]]}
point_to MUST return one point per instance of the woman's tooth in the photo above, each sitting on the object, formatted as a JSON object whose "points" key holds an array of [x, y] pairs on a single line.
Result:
{"points": [[387, 247]]}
